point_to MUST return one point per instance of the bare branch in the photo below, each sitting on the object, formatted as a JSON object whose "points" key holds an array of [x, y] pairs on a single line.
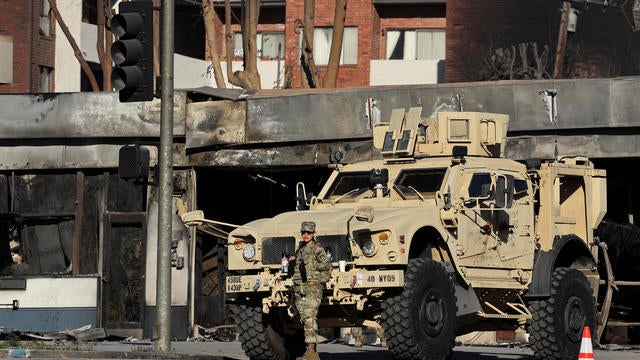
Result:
{"points": [[210, 26], [229, 42], [331, 77], [249, 78], [309, 70], [104, 47]]}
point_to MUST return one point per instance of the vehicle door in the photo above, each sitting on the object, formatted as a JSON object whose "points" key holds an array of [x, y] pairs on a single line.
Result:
{"points": [[494, 221]]}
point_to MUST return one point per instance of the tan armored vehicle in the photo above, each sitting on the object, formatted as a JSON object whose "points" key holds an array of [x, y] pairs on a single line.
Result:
{"points": [[440, 237]]}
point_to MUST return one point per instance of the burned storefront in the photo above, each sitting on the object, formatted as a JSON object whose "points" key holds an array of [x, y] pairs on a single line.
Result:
{"points": [[78, 191]]}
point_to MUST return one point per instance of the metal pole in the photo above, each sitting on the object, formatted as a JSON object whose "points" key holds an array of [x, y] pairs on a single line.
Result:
{"points": [[165, 191], [562, 39]]}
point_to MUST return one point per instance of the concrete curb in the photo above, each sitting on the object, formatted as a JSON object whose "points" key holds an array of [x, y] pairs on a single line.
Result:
{"points": [[69, 354]]}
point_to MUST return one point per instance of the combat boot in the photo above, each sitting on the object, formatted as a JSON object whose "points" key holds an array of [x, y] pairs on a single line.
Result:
{"points": [[310, 354]]}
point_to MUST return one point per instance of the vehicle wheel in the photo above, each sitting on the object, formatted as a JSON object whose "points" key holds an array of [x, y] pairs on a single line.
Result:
{"points": [[557, 322], [267, 336], [420, 322]]}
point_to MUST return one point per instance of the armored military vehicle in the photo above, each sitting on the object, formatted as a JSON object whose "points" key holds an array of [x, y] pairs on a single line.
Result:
{"points": [[439, 237]]}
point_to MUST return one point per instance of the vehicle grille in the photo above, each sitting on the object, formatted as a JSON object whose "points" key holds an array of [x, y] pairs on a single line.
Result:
{"points": [[274, 247], [338, 245]]}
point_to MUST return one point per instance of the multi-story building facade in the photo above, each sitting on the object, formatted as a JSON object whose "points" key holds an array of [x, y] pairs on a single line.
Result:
{"points": [[380, 37], [386, 42], [27, 47]]}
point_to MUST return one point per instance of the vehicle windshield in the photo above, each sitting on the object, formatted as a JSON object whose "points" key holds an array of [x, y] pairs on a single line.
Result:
{"points": [[348, 186], [411, 184], [419, 183]]}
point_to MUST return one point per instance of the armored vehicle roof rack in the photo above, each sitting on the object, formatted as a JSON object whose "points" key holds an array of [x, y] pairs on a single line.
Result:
{"points": [[409, 135]]}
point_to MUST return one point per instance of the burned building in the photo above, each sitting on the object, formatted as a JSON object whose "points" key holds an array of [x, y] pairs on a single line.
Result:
{"points": [[78, 208]]}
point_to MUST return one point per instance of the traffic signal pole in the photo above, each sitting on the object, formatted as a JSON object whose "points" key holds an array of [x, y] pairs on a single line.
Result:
{"points": [[132, 52], [165, 191]]}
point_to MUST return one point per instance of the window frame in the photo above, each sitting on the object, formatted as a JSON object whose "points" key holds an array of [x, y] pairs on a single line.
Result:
{"points": [[407, 177], [238, 51], [319, 58], [345, 182], [416, 50], [45, 73], [45, 26]]}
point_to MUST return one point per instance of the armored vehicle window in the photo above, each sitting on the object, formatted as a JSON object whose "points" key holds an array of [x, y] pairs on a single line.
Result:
{"points": [[425, 182], [459, 130], [480, 186], [520, 187], [354, 183]]}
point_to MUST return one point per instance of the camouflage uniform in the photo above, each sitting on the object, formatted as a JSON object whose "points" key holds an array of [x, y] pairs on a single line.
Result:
{"points": [[308, 295]]}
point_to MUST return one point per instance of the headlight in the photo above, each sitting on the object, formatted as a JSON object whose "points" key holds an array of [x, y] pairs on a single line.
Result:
{"points": [[368, 247], [248, 252]]}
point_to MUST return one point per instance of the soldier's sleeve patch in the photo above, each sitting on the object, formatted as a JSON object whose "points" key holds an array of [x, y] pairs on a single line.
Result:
{"points": [[321, 256]]}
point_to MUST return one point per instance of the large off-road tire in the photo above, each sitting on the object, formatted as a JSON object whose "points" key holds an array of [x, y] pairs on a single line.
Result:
{"points": [[267, 336], [420, 322], [557, 322]]}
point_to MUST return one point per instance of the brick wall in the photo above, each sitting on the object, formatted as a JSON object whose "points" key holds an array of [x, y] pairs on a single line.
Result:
{"points": [[423, 16], [370, 21], [603, 45], [17, 23], [473, 28], [42, 47], [21, 19], [294, 12], [360, 13]]}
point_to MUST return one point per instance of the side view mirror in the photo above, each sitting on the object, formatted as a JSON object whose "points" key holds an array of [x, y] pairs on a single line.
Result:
{"points": [[193, 218], [444, 199], [196, 218], [504, 191], [364, 213], [302, 202]]}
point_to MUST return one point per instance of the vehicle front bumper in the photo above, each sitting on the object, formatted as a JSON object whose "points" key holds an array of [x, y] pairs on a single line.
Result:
{"points": [[352, 279]]}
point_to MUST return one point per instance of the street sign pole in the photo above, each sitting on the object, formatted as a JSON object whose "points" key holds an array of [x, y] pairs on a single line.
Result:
{"points": [[165, 191]]}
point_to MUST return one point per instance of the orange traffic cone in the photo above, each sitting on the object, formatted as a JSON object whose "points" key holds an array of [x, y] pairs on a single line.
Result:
{"points": [[586, 350]]}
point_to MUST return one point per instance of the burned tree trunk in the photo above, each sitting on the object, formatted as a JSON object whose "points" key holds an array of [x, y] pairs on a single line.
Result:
{"points": [[331, 77], [249, 78], [308, 65], [209, 23]]}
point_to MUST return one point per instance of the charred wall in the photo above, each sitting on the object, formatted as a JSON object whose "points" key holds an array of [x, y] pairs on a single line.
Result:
{"points": [[56, 217]]}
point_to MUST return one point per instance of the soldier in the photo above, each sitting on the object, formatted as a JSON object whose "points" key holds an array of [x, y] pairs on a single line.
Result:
{"points": [[312, 270]]}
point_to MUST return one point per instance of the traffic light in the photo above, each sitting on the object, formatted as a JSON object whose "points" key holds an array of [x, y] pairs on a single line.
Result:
{"points": [[133, 163], [132, 53]]}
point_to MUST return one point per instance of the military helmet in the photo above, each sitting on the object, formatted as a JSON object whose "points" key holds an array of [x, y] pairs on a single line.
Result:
{"points": [[308, 226]]}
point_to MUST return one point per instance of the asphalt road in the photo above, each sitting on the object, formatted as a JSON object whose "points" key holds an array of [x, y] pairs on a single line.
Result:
{"points": [[215, 350], [340, 351]]}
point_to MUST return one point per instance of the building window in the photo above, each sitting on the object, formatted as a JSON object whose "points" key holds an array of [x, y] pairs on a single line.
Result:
{"points": [[322, 46], [6, 59], [44, 80], [270, 45], [45, 18], [421, 44], [238, 51]]}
